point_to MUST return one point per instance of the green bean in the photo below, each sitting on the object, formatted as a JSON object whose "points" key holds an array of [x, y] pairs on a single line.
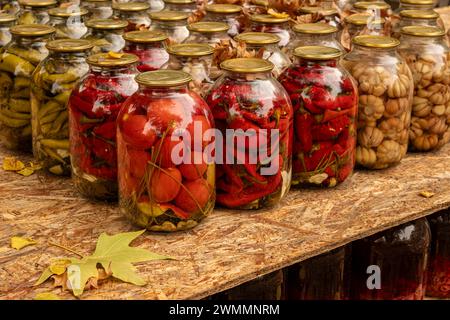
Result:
{"points": [[24, 94], [63, 97], [49, 118], [49, 107], [21, 82], [26, 131], [16, 115], [13, 123], [59, 122], [55, 144], [31, 55], [16, 65], [5, 82], [45, 128], [19, 105], [49, 152], [60, 78]]}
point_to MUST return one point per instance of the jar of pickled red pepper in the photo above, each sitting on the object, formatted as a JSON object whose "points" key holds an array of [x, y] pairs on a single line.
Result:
{"points": [[149, 46], [98, 9], [325, 101], [106, 34], [18, 60], [180, 5], [415, 18], [377, 8], [385, 86], [271, 24], [229, 13], [135, 13], [391, 265], [35, 11], [68, 22], [329, 15], [364, 24], [265, 46], [166, 174], [208, 32], [94, 105], [254, 114], [427, 56], [416, 5], [6, 21], [53, 81], [10, 6], [172, 23]]}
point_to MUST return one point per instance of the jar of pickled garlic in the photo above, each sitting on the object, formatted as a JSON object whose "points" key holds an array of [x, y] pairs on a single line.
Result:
{"points": [[391, 265], [98, 9], [377, 8], [265, 46], [229, 13], [325, 101], [427, 56], [68, 22], [149, 46], [94, 105], [166, 174], [385, 86], [106, 34], [155, 5], [35, 11], [208, 32], [329, 15], [271, 24], [6, 21], [18, 60], [362, 24], [10, 6], [135, 13], [172, 23], [416, 5], [180, 5], [415, 18], [53, 81], [249, 105]]}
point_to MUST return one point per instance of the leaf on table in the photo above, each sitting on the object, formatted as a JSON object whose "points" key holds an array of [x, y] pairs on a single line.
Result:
{"points": [[12, 164], [426, 194], [19, 242], [46, 296], [276, 14]]}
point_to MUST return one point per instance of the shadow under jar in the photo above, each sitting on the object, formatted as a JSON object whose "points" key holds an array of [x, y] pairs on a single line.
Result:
{"points": [[229, 13], [362, 24], [180, 5], [35, 11], [415, 18], [68, 22], [135, 13], [6, 22], [256, 172], [98, 9], [385, 86], [93, 109], [172, 23], [106, 35], [270, 24], [53, 81], [208, 32], [157, 190]]}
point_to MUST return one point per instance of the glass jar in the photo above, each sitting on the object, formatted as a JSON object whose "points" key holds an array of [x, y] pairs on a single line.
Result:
{"points": [[328, 15], [135, 13], [172, 23], [6, 22], [415, 18], [52, 83], [362, 24], [416, 5], [248, 100], [68, 22], [10, 7], [149, 46], [180, 5], [427, 55], [229, 13], [438, 272], [397, 258], [194, 59], [18, 60], [98, 9], [208, 32], [155, 5], [385, 88], [377, 8], [162, 190], [325, 101], [265, 46], [254, 6], [106, 34], [35, 11], [270, 24]]}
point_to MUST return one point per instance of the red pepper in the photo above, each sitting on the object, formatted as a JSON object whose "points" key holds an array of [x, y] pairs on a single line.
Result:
{"points": [[178, 211], [106, 130], [332, 114], [329, 130], [319, 157], [345, 171], [235, 180], [303, 126]]}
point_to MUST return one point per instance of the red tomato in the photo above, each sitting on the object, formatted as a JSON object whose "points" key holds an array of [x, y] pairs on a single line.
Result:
{"points": [[200, 191], [164, 186], [203, 123], [165, 112], [138, 160], [193, 171], [137, 131], [165, 147]]}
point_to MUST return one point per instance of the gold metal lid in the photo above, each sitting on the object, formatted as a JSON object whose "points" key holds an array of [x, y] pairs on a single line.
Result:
{"points": [[38, 3], [5, 17], [418, 2], [323, 11], [267, 18], [362, 19], [258, 38], [223, 8], [419, 14], [145, 36], [69, 45], [32, 30], [68, 12], [380, 5], [106, 24], [375, 41], [96, 0], [423, 31], [131, 6], [112, 59], [261, 3], [314, 28], [208, 26], [317, 53], [247, 65], [169, 15], [190, 49], [163, 78], [179, 1]]}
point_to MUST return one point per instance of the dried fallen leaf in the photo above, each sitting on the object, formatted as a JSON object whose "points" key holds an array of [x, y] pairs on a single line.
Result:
{"points": [[27, 171], [46, 296], [115, 55], [276, 14], [19, 242], [426, 194], [12, 164]]}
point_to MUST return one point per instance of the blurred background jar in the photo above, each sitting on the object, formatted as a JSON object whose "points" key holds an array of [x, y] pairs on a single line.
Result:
{"points": [[135, 13], [6, 21], [415, 18], [416, 5], [180, 5], [377, 8], [98, 9], [208, 32], [68, 22], [106, 34], [270, 24], [361, 24], [172, 23], [229, 13], [35, 11], [328, 15], [10, 6]]}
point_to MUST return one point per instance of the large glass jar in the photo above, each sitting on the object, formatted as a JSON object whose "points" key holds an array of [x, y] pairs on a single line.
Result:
{"points": [[248, 100], [155, 5], [385, 88], [98, 9], [68, 22], [427, 56], [415, 18], [327, 14], [135, 13], [362, 24], [10, 6], [172, 23], [180, 5], [325, 101], [229, 13], [6, 21], [377, 8], [93, 108], [416, 5], [270, 24], [35, 11], [18, 60], [162, 189], [149, 46], [106, 34], [208, 32], [394, 260], [53, 81], [265, 46]]}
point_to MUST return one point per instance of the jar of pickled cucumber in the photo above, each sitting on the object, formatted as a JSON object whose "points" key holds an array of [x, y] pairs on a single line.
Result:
{"points": [[10, 6], [162, 189], [18, 60], [172, 23], [427, 56], [180, 5], [93, 108], [98, 9], [329, 15], [415, 18], [53, 81], [416, 5], [362, 24], [149, 46], [6, 21], [249, 106], [265, 46], [68, 22], [106, 34], [271, 24], [135, 13], [208, 32], [35, 11], [385, 86], [377, 8], [229, 13]]}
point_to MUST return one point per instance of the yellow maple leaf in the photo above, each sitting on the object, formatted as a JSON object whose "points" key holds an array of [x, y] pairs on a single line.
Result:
{"points": [[46, 296], [426, 194], [19, 242], [115, 55], [27, 171], [12, 164], [275, 14]]}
